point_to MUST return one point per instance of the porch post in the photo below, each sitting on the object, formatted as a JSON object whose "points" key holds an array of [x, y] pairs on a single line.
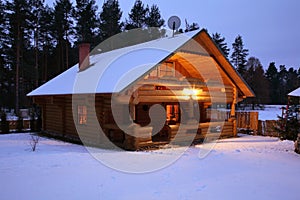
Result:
{"points": [[232, 112]]}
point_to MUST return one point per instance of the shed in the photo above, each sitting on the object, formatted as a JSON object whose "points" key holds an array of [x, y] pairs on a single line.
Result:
{"points": [[295, 93], [169, 90]]}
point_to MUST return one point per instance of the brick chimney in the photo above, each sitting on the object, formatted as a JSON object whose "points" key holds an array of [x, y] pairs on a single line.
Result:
{"points": [[84, 56]]}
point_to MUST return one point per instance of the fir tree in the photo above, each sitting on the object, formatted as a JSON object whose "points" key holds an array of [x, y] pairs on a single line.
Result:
{"points": [[288, 125], [220, 41], [4, 75], [255, 77], [63, 29], [239, 55], [110, 19], [292, 80], [37, 7], [283, 78], [191, 27], [19, 36], [137, 16], [147, 22], [153, 17], [154, 22], [273, 82], [85, 15], [48, 42]]}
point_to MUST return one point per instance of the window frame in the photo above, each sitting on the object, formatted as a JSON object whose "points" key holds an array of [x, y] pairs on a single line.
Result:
{"points": [[82, 114]]}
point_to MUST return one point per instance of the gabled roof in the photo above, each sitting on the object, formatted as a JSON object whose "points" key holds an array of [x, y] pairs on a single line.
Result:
{"points": [[295, 93], [114, 71]]}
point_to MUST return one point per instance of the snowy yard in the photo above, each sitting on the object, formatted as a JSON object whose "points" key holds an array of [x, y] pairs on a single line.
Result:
{"points": [[248, 167]]}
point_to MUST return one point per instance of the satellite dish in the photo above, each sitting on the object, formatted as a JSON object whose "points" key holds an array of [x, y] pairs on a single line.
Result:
{"points": [[174, 23]]}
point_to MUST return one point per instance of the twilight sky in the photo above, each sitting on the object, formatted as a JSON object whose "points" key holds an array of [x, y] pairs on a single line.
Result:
{"points": [[270, 28]]}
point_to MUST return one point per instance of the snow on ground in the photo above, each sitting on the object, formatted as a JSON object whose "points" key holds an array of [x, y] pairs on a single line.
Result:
{"points": [[248, 167], [270, 112]]}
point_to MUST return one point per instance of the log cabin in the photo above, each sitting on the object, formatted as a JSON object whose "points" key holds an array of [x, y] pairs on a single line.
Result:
{"points": [[172, 90]]}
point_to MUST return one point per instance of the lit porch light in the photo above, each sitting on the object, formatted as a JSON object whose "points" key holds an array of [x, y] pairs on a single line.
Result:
{"points": [[191, 93]]}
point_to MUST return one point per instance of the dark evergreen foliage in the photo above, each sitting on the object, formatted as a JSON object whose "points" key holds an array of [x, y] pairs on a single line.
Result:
{"points": [[63, 31], [273, 82], [4, 123], [288, 125], [137, 16], [110, 19], [86, 20], [37, 42], [153, 17], [191, 27], [220, 41], [239, 55], [255, 77]]}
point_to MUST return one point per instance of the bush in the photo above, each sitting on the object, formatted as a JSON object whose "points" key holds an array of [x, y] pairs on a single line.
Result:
{"points": [[4, 123], [20, 125], [288, 126]]}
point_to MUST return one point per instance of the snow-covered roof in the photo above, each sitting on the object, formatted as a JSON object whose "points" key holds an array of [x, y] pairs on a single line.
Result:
{"points": [[113, 71], [116, 70], [295, 93]]}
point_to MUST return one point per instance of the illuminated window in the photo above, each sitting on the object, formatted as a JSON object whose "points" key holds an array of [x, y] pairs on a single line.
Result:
{"points": [[173, 114], [82, 115], [166, 69]]}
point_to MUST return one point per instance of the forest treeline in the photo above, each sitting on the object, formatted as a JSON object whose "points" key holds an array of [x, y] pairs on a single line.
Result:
{"points": [[38, 42]]}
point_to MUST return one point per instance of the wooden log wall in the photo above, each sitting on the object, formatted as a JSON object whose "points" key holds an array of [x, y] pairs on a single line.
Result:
{"points": [[204, 130], [58, 118], [53, 120], [175, 94]]}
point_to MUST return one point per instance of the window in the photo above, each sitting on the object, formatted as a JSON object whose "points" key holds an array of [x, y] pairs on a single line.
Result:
{"points": [[82, 115], [166, 69], [173, 115]]}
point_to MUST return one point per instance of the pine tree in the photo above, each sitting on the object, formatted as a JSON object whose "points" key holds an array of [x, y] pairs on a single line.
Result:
{"points": [[288, 125], [273, 82], [154, 22], [19, 36], [153, 17], [37, 6], [87, 22], [63, 29], [110, 19], [146, 22], [137, 16], [4, 75], [283, 78], [239, 55], [255, 77], [292, 80], [191, 27], [220, 41], [48, 42]]}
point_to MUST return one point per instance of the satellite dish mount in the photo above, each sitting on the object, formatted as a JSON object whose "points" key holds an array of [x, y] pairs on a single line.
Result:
{"points": [[174, 23]]}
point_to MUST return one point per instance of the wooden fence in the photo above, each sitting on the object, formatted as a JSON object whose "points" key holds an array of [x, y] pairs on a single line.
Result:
{"points": [[248, 122], [13, 125], [267, 128]]}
